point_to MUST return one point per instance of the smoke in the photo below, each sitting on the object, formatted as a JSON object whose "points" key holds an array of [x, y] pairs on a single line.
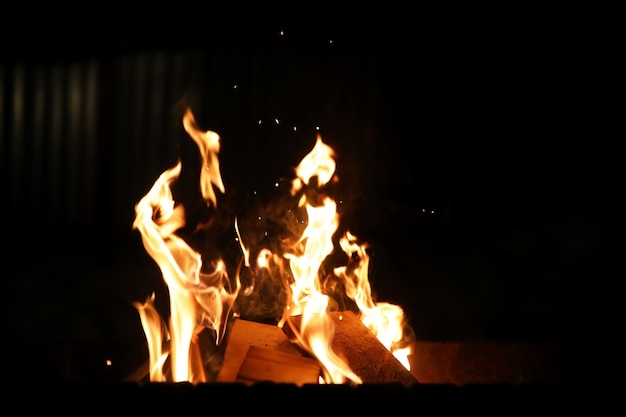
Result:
{"points": [[268, 223]]}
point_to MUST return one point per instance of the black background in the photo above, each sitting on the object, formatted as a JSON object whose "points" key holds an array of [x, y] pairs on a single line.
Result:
{"points": [[470, 157]]}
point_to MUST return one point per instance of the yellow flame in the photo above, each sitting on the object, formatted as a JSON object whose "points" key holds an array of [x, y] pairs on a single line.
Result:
{"points": [[385, 320], [155, 331], [197, 300], [209, 144], [316, 330], [200, 300], [318, 163]]}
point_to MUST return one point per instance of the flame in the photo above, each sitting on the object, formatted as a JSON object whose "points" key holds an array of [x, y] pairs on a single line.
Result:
{"points": [[198, 299], [316, 331], [314, 245], [385, 320], [202, 300]]}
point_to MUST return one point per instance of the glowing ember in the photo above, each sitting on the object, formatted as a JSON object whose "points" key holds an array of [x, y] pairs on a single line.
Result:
{"points": [[202, 298]]}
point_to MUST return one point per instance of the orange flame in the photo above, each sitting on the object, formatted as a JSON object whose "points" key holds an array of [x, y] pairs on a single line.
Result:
{"points": [[198, 300], [385, 320], [315, 244], [316, 331]]}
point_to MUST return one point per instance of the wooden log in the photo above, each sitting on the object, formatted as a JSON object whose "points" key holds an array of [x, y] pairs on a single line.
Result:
{"points": [[262, 364], [364, 353], [259, 352]]}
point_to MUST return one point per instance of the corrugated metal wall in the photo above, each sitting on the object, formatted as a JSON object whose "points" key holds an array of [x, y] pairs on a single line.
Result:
{"points": [[78, 136], [50, 140], [82, 140]]}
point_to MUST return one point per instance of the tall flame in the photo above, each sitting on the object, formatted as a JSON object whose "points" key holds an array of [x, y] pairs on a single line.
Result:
{"points": [[198, 299], [308, 300], [315, 244]]}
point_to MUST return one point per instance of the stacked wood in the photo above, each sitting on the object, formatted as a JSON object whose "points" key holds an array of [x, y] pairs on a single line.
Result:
{"points": [[259, 352]]}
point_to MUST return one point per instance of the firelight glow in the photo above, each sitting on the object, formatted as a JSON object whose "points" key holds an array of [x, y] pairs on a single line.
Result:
{"points": [[201, 300]]}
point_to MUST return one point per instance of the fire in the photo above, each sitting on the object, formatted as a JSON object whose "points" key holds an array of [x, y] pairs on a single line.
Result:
{"points": [[307, 299], [198, 299], [202, 299], [385, 320]]}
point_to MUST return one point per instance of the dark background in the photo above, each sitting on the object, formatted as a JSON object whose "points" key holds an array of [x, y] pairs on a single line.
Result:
{"points": [[469, 155]]}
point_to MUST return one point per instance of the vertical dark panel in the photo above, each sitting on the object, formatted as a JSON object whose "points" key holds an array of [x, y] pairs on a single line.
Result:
{"points": [[3, 119], [139, 123], [120, 120], [55, 195], [452, 213], [155, 112], [4, 136], [90, 157], [130, 122], [174, 83], [38, 152], [173, 88], [16, 141], [427, 158], [73, 144]]}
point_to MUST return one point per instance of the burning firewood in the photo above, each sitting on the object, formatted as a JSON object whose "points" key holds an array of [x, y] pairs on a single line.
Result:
{"points": [[259, 352], [203, 297], [364, 353]]}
